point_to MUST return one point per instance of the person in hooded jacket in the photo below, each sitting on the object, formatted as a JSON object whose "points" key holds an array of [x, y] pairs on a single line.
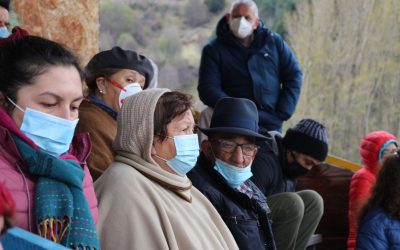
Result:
{"points": [[247, 60], [380, 217], [375, 147]]}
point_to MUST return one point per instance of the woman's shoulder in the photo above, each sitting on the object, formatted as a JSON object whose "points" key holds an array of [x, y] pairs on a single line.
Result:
{"points": [[376, 218], [90, 111], [119, 176]]}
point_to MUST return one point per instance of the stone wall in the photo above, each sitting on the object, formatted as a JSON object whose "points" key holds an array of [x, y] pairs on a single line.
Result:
{"points": [[74, 23]]}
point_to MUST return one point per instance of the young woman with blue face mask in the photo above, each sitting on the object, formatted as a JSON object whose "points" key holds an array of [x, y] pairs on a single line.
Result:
{"points": [[111, 76], [41, 88]]}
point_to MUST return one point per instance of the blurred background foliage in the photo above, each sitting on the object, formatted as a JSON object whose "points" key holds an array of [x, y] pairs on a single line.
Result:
{"points": [[349, 51]]}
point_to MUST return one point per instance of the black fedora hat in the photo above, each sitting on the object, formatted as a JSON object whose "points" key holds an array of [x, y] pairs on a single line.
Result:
{"points": [[234, 116]]}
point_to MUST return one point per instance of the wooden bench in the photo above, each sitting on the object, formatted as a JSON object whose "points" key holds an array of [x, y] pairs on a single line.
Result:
{"points": [[332, 183]]}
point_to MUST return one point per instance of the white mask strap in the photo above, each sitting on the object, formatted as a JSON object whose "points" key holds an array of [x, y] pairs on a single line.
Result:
{"points": [[18, 107]]}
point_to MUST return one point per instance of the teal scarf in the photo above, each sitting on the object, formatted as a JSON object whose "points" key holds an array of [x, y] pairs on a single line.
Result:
{"points": [[62, 213]]}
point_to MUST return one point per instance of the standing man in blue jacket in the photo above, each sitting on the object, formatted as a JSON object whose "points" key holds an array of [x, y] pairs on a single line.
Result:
{"points": [[249, 61]]}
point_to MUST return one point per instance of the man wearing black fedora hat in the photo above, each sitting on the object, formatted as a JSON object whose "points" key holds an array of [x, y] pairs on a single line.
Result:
{"points": [[223, 170]]}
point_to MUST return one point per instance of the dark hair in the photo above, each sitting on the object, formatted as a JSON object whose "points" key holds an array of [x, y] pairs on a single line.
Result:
{"points": [[386, 192], [24, 59], [92, 73], [170, 105]]}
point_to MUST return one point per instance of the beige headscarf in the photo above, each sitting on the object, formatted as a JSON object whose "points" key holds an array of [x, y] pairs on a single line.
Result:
{"points": [[136, 123], [135, 135]]}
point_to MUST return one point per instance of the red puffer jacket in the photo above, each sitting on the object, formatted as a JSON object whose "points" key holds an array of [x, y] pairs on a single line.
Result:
{"points": [[364, 179], [21, 183]]}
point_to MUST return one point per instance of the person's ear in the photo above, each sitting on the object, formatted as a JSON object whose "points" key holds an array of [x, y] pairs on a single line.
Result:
{"points": [[256, 23], [101, 84], [3, 101], [153, 149], [207, 150], [154, 145], [228, 17]]}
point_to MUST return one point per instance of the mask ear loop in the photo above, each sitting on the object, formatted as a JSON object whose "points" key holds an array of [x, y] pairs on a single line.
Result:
{"points": [[212, 150], [13, 103]]}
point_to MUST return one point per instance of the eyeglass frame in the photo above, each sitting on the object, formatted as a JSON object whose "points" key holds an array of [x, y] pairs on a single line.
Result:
{"points": [[221, 141], [115, 83]]}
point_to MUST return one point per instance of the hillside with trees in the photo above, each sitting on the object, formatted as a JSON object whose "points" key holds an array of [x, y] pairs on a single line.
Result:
{"points": [[349, 51], [173, 32]]}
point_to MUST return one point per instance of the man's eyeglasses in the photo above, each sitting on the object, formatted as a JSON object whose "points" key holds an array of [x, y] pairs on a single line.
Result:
{"points": [[248, 149]]}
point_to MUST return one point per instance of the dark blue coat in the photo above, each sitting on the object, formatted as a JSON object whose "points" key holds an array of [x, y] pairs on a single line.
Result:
{"points": [[246, 218], [267, 73], [378, 231]]}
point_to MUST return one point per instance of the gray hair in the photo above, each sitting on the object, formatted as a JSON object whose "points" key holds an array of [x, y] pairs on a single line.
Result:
{"points": [[249, 3]]}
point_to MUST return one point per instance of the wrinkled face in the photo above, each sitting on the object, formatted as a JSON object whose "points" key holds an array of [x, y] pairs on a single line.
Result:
{"points": [[180, 125], [305, 161], [391, 149], [235, 150], [57, 92], [111, 87], [4, 17], [244, 11]]}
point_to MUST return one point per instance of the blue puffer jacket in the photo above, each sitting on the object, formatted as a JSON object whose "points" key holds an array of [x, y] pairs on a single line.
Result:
{"points": [[378, 231], [267, 72], [246, 218]]}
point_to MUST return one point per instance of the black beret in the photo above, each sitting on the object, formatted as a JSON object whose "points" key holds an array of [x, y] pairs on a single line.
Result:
{"points": [[118, 58], [5, 4]]}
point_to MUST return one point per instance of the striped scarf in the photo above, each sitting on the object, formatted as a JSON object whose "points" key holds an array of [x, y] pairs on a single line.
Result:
{"points": [[62, 213]]}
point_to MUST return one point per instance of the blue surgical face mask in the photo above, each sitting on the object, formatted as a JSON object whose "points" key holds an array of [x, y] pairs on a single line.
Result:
{"points": [[49, 132], [4, 32], [187, 151], [233, 175]]}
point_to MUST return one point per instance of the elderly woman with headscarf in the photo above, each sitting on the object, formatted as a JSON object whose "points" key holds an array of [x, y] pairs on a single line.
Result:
{"points": [[146, 200], [111, 76]]}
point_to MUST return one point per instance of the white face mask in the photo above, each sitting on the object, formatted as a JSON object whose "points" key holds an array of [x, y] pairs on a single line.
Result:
{"points": [[241, 28], [131, 89]]}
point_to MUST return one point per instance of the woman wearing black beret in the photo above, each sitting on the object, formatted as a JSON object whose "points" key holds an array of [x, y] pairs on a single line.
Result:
{"points": [[111, 76]]}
